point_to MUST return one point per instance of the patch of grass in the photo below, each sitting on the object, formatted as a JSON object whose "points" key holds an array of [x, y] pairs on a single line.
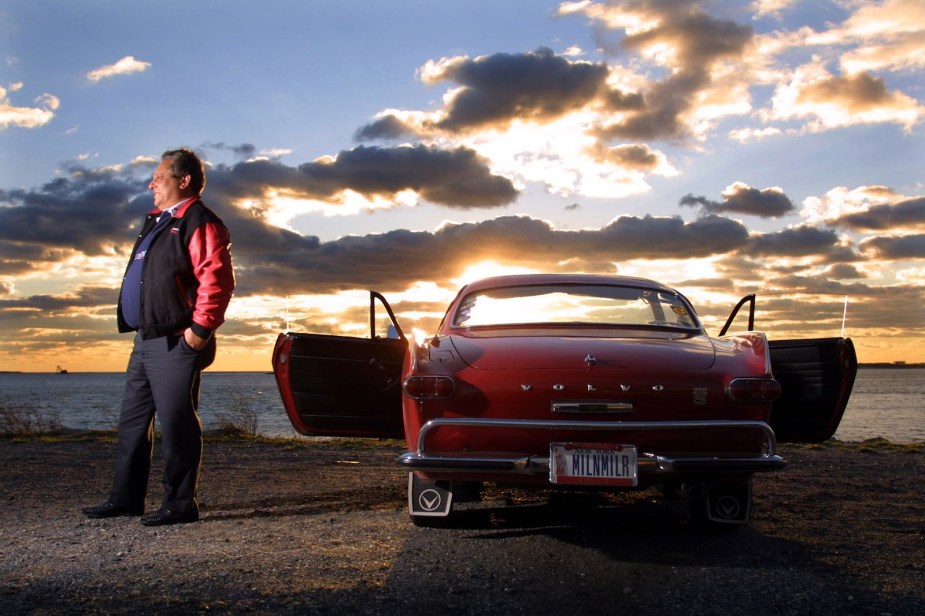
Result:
{"points": [[240, 420], [26, 420], [876, 445], [871, 445]]}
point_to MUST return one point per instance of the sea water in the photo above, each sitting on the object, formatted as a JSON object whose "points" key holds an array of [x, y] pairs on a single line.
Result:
{"points": [[886, 402]]}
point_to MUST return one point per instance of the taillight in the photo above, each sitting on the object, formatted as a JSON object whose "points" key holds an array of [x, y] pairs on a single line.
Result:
{"points": [[753, 390], [424, 387]]}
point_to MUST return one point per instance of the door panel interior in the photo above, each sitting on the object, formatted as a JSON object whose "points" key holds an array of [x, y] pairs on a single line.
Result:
{"points": [[816, 377], [341, 386]]}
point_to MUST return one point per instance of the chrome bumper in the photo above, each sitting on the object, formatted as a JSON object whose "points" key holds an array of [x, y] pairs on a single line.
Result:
{"points": [[649, 463]]}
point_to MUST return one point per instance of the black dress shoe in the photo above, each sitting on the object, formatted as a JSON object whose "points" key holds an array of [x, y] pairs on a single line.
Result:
{"points": [[165, 517], [111, 510]]}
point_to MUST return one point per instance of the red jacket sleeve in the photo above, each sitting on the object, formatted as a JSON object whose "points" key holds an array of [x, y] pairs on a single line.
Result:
{"points": [[210, 253]]}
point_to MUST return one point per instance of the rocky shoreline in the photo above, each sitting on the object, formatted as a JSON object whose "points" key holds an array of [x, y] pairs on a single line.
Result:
{"points": [[296, 526]]}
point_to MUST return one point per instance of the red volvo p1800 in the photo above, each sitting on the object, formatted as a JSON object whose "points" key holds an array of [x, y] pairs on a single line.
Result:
{"points": [[574, 380]]}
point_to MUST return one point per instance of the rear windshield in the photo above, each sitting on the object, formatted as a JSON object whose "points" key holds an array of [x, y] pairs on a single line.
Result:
{"points": [[575, 304]]}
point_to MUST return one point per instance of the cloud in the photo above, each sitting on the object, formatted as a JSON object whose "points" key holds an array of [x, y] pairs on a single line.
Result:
{"points": [[535, 86], [740, 198], [26, 117], [794, 242], [894, 247], [671, 72], [830, 101], [282, 262], [243, 151], [687, 41], [890, 36], [494, 91], [387, 126], [866, 208], [638, 157], [844, 271], [89, 212], [904, 215], [854, 99], [841, 201], [125, 66], [457, 178], [771, 7], [92, 212]]}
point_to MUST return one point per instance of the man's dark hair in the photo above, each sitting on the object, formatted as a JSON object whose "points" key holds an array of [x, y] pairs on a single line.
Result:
{"points": [[184, 161]]}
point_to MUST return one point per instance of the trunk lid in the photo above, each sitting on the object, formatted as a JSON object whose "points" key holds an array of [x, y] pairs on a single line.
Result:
{"points": [[655, 351]]}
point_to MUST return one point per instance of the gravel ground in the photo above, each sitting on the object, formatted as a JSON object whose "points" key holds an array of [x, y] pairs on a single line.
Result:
{"points": [[296, 527]]}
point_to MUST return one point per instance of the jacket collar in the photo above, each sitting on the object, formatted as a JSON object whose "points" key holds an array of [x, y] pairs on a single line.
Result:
{"points": [[178, 210]]}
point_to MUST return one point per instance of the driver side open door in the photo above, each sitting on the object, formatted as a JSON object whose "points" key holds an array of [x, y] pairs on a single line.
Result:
{"points": [[816, 377], [343, 385]]}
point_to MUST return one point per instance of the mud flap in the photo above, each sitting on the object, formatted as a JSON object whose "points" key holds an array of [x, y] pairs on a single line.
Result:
{"points": [[429, 498], [729, 503]]}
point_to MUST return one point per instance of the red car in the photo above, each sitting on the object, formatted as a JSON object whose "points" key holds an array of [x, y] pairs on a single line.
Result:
{"points": [[572, 380]]}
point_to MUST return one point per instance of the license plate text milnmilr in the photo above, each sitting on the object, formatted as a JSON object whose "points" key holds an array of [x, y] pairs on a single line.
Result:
{"points": [[592, 464]]}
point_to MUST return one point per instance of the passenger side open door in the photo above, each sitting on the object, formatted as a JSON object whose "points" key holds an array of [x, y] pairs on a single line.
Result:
{"points": [[343, 385], [816, 377]]}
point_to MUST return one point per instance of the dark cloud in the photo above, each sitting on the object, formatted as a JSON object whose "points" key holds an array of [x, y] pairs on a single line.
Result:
{"points": [[89, 296], [244, 151], [496, 89], [897, 247], [794, 242], [844, 271], [284, 263], [620, 100], [671, 238], [767, 203], [458, 177], [453, 178], [903, 215], [386, 127], [93, 212], [18, 258], [87, 211]]}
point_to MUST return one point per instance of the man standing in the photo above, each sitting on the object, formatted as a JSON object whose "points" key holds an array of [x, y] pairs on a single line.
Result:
{"points": [[176, 288]]}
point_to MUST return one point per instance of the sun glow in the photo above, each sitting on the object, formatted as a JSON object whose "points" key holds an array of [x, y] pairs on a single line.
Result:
{"points": [[487, 269]]}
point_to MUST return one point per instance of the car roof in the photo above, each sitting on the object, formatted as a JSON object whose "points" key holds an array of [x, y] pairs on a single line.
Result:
{"points": [[518, 280]]}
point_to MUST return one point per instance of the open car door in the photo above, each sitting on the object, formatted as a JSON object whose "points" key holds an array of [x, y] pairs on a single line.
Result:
{"points": [[816, 377], [343, 385]]}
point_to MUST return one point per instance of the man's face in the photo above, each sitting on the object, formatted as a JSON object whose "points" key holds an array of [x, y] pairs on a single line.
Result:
{"points": [[167, 189]]}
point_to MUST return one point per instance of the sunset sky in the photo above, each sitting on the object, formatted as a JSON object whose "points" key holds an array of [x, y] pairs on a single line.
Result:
{"points": [[407, 146]]}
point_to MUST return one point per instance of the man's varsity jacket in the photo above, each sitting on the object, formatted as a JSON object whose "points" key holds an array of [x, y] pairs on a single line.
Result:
{"points": [[187, 277]]}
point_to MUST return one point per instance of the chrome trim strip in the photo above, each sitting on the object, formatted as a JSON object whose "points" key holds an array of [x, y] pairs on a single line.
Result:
{"points": [[539, 465], [622, 426], [588, 406]]}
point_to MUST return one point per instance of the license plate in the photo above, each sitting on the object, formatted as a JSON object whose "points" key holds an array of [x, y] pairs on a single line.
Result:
{"points": [[592, 464]]}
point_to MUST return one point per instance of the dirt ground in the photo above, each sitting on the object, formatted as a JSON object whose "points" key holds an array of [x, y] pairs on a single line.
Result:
{"points": [[298, 527]]}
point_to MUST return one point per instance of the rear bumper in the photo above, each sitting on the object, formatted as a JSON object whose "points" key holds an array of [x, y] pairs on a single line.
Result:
{"points": [[651, 465]]}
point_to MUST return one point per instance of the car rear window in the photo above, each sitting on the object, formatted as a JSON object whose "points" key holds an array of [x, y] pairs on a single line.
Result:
{"points": [[575, 304]]}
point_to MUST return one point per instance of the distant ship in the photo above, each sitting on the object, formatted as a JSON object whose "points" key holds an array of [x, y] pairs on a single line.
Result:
{"points": [[60, 370]]}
